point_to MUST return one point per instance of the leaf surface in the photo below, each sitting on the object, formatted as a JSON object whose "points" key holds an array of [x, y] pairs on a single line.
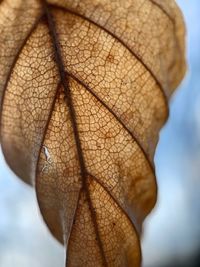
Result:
{"points": [[84, 87]]}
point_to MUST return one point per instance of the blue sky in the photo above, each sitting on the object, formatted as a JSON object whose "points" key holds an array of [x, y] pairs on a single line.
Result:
{"points": [[172, 231]]}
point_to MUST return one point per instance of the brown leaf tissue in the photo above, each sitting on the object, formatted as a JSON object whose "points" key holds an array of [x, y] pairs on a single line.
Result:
{"points": [[84, 89]]}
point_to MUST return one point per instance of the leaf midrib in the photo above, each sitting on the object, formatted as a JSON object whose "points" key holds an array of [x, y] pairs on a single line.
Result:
{"points": [[72, 114]]}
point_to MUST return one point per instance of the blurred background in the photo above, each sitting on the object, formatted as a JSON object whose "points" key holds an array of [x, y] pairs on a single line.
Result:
{"points": [[172, 231]]}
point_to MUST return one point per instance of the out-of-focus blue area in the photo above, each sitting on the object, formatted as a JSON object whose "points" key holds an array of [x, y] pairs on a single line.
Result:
{"points": [[172, 231]]}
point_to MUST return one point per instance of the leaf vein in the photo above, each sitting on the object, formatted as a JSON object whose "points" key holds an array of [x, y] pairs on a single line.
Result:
{"points": [[134, 226], [116, 117], [122, 43], [14, 63]]}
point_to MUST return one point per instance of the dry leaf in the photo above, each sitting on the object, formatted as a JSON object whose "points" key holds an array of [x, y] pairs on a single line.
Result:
{"points": [[84, 87]]}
